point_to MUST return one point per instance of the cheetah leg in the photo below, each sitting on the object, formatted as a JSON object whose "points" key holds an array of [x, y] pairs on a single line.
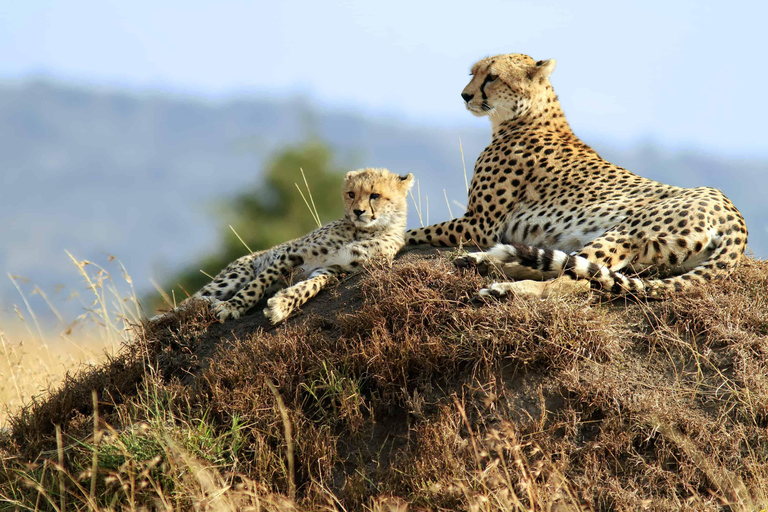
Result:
{"points": [[347, 260], [499, 256], [183, 307], [540, 289], [288, 299], [244, 299], [224, 285], [451, 233], [228, 281]]}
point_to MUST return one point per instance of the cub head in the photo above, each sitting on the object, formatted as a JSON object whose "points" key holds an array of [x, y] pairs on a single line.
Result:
{"points": [[506, 86], [376, 198]]}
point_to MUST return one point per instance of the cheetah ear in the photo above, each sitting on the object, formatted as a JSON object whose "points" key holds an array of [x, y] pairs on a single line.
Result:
{"points": [[542, 69], [406, 181]]}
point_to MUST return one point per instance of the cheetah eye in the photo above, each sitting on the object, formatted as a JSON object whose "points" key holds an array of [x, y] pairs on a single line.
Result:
{"points": [[351, 195], [491, 78], [375, 196]]}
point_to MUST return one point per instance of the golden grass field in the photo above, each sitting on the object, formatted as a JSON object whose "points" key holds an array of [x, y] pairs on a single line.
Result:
{"points": [[31, 365], [35, 356]]}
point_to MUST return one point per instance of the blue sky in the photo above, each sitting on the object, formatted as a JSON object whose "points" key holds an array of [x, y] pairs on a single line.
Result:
{"points": [[679, 73]]}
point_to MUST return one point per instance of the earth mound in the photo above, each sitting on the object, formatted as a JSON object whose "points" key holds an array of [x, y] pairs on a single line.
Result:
{"points": [[397, 390]]}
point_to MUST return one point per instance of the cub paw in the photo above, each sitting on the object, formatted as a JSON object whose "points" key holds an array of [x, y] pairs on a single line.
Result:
{"points": [[278, 308], [224, 310]]}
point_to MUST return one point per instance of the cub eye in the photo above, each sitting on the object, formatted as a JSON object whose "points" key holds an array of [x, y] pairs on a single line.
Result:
{"points": [[351, 195], [375, 196]]}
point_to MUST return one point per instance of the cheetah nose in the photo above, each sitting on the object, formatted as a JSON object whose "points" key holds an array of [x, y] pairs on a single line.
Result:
{"points": [[359, 212], [467, 97]]}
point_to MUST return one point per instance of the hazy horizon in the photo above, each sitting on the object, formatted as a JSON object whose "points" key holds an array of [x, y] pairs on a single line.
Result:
{"points": [[681, 73], [601, 138]]}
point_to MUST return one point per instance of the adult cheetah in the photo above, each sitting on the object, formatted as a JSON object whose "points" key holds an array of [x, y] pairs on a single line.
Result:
{"points": [[554, 206]]}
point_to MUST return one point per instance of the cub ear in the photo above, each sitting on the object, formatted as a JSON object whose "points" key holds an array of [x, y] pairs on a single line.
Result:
{"points": [[542, 69], [406, 181]]}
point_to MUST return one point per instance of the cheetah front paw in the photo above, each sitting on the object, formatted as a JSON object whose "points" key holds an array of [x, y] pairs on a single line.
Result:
{"points": [[477, 260], [225, 310], [278, 309]]}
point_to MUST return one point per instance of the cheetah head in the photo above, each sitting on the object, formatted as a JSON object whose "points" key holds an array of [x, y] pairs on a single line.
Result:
{"points": [[376, 198], [505, 86]]}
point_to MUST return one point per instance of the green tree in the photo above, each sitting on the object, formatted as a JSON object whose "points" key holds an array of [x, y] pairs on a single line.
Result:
{"points": [[271, 212]]}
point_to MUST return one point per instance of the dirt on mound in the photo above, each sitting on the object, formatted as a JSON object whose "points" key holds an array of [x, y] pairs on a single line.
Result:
{"points": [[396, 383]]}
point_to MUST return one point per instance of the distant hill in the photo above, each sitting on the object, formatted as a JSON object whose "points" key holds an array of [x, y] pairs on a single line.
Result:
{"points": [[136, 174]]}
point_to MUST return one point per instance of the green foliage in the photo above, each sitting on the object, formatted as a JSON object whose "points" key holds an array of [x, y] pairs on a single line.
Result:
{"points": [[336, 396], [272, 211]]}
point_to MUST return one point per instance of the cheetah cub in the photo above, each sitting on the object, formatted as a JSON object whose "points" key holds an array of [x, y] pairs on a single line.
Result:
{"points": [[372, 228]]}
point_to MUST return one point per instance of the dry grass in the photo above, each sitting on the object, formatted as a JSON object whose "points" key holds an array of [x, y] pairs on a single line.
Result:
{"points": [[32, 366], [35, 356], [397, 392]]}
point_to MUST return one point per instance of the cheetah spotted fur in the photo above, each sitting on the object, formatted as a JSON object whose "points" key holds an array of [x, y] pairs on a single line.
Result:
{"points": [[372, 228], [552, 206]]}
